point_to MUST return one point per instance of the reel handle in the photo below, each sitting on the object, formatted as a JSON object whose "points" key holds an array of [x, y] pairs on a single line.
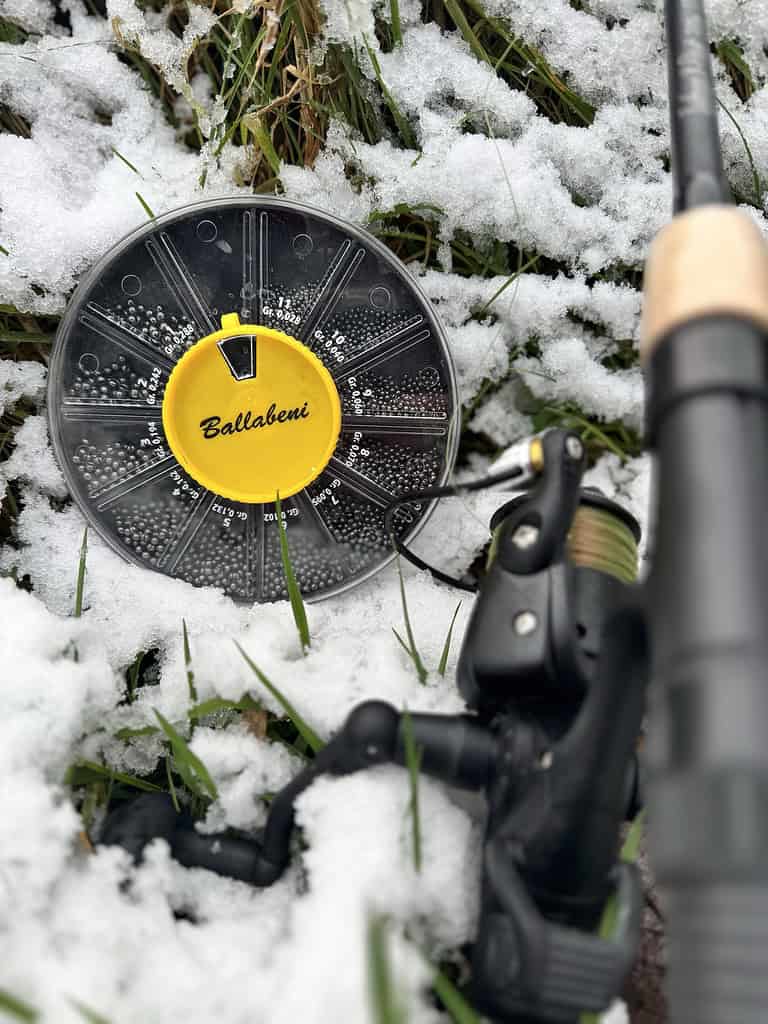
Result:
{"points": [[536, 970]]}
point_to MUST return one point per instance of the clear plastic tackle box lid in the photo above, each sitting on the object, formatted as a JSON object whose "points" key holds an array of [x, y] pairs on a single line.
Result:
{"points": [[234, 350]]}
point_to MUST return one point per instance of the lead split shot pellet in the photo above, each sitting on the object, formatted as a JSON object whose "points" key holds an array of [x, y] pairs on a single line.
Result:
{"points": [[229, 351]]}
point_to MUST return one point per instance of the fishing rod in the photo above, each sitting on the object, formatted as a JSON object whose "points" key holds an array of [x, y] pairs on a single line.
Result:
{"points": [[562, 643], [703, 345]]}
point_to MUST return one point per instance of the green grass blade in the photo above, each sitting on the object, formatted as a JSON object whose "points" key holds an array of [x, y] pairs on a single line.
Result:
{"points": [[729, 53], [465, 28], [292, 26], [188, 764], [421, 672], [402, 643], [83, 772], [588, 428], [455, 1003], [187, 776], [24, 337], [413, 763], [88, 1014], [214, 704], [305, 731], [129, 734], [397, 32], [631, 847], [171, 787], [126, 162], [406, 132], [81, 575], [447, 645], [407, 649], [188, 664], [544, 73], [294, 594], [381, 989], [510, 280], [17, 1009], [146, 206], [264, 141], [133, 676], [756, 182]]}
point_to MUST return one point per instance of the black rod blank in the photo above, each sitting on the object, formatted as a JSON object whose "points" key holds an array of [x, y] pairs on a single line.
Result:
{"points": [[697, 164]]}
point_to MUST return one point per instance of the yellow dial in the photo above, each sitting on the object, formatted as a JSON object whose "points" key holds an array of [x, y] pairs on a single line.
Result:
{"points": [[249, 412]]}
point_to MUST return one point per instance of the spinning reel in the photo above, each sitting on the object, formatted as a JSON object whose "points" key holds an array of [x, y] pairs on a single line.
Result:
{"points": [[553, 671]]}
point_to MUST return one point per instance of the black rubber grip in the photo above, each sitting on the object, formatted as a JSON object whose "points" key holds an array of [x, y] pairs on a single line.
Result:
{"points": [[712, 354], [707, 752]]}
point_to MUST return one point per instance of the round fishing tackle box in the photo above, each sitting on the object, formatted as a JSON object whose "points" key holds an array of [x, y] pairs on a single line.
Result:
{"points": [[234, 351]]}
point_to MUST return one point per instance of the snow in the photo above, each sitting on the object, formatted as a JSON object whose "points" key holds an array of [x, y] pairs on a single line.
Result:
{"points": [[617, 1014], [17, 380], [492, 187], [241, 765], [349, 22], [566, 371], [432, 65], [32, 459], [65, 193], [162, 942], [145, 31], [579, 44], [29, 14], [499, 419], [23, 380]]}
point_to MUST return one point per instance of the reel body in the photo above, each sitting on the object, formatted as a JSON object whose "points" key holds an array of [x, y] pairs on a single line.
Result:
{"points": [[230, 352]]}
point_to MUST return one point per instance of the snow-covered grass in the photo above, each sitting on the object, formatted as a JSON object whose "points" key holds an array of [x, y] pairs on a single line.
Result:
{"points": [[514, 154]]}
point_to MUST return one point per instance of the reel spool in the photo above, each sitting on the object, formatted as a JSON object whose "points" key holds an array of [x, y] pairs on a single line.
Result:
{"points": [[233, 351], [604, 536]]}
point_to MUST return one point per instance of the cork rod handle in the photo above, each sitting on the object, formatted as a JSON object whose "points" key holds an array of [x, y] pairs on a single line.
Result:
{"points": [[710, 260]]}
